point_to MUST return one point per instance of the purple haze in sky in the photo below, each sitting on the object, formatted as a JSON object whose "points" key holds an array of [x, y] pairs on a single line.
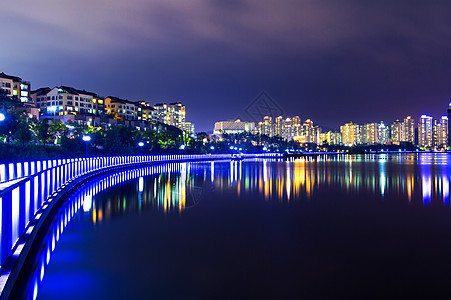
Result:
{"points": [[331, 61]]}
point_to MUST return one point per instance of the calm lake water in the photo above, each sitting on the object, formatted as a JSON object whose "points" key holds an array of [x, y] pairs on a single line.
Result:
{"points": [[314, 228]]}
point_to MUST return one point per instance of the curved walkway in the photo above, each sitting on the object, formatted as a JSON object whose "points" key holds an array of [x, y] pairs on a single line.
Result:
{"points": [[33, 189]]}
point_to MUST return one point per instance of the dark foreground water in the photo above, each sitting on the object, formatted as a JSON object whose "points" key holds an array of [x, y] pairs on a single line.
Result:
{"points": [[331, 227]]}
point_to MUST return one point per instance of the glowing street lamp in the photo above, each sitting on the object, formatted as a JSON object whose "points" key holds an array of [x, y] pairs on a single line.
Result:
{"points": [[182, 147], [2, 117], [141, 145], [212, 147], [86, 139]]}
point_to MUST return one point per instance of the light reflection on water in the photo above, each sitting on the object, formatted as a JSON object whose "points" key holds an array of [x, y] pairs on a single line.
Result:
{"points": [[413, 179], [417, 178]]}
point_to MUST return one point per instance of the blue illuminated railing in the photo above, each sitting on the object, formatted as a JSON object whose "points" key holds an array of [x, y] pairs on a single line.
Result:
{"points": [[27, 189]]}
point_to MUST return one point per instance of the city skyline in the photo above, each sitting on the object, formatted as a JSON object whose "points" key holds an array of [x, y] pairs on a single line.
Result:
{"points": [[326, 61]]}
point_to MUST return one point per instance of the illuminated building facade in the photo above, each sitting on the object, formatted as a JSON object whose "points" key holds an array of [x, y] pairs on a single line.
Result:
{"points": [[449, 125], [279, 126], [395, 132], [65, 100], [408, 130], [120, 108], [265, 127], [172, 114], [296, 126], [382, 133], [16, 87], [189, 128], [287, 132], [425, 132], [369, 134], [146, 112], [233, 127], [176, 115], [440, 132], [350, 133]]}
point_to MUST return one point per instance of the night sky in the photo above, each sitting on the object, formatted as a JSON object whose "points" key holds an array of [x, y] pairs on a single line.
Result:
{"points": [[328, 60]]}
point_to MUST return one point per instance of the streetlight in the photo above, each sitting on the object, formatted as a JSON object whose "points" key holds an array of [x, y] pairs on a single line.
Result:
{"points": [[86, 138], [2, 117], [141, 145], [212, 147], [182, 147]]}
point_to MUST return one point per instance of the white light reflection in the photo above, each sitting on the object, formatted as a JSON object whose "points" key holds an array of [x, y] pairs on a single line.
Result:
{"points": [[141, 184], [87, 203], [445, 181], [212, 171], [427, 189]]}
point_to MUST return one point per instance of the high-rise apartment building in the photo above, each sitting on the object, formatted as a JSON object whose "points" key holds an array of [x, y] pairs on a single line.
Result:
{"points": [[408, 130], [382, 133], [265, 127], [350, 133], [441, 132], [176, 113], [279, 126], [395, 132], [449, 124], [287, 132], [425, 132], [369, 134], [172, 114], [296, 126]]}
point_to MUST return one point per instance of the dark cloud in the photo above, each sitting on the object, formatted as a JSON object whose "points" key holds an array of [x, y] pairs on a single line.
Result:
{"points": [[332, 61]]}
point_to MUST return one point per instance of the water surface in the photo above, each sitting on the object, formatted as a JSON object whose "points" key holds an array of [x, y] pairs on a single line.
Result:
{"points": [[313, 228]]}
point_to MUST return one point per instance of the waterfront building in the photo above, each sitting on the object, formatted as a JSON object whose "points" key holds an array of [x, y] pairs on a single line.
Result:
{"points": [[172, 114], [146, 112], [265, 127], [15, 87], [161, 113], [334, 138], [63, 100], [287, 133], [310, 132], [449, 124], [425, 132], [176, 115], [233, 127], [440, 132], [408, 130], [369, 134], [279, 126], [189, 128], [121, 109], [395, 132], [350, 133], [382, 133], [296, 126], [98, 104]]}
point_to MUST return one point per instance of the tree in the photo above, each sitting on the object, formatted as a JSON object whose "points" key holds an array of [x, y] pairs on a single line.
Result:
{"points": [[6, 102], [23, 130], [56, 130], [42, 130]]}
